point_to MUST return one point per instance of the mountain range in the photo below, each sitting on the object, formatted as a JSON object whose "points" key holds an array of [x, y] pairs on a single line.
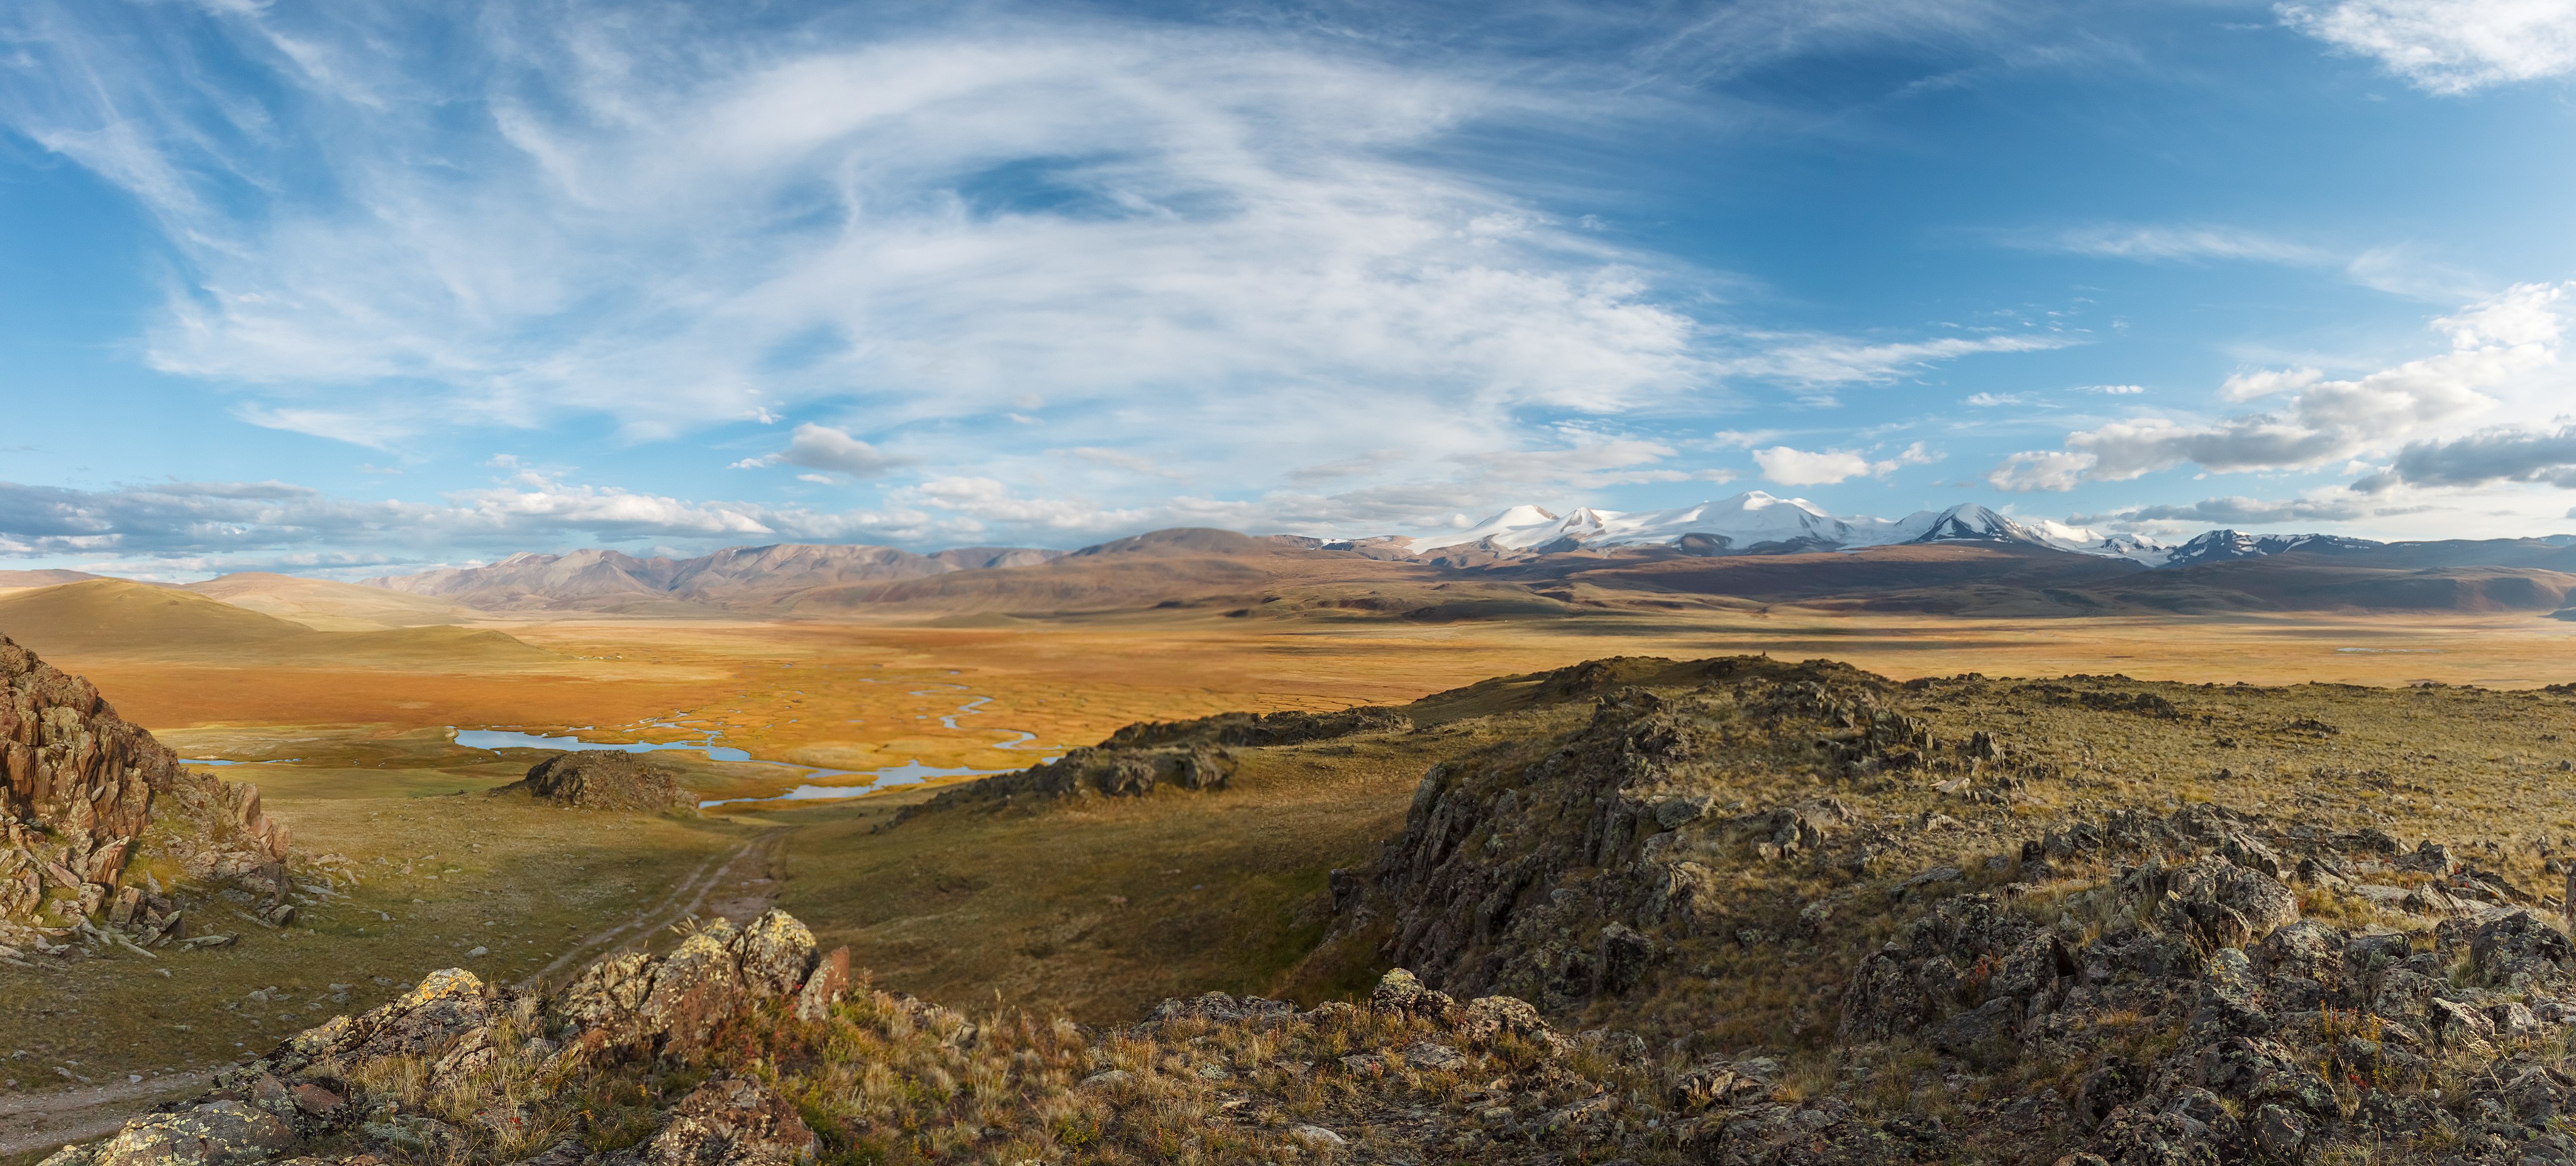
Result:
{"points": [[1758, 523], [1744, 552], [605, 580]]}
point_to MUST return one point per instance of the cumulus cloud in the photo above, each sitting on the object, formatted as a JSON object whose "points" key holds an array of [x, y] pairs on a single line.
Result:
{"points": [[2448, 46], [821, 447], [2318, 421], [2508, 454], [1795, 467]]}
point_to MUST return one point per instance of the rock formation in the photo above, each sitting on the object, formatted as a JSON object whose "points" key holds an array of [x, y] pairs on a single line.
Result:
{"points": [[99, 824], [603, 780]]}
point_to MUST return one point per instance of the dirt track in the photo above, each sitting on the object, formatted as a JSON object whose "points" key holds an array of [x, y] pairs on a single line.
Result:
{"points": [[747, 872]]}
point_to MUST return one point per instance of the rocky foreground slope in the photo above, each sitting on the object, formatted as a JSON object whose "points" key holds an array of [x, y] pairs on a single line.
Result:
{"points": [[1643, 911], [104, 838], [1971, 920], [745, 1047]]}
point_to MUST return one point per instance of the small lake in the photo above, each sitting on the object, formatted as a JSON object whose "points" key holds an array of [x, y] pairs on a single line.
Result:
{"points": [[911, 772]]}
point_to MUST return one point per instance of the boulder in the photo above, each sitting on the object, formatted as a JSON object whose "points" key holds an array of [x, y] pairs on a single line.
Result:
{"points": [[218, 1133], [602, 780]]}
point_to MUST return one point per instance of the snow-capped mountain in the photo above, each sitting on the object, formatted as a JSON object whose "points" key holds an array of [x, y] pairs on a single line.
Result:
{"points": [[2221, 545], [1755, 522]]}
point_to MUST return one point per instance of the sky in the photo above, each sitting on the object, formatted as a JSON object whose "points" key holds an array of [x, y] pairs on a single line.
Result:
{"points": [[353, 288]]}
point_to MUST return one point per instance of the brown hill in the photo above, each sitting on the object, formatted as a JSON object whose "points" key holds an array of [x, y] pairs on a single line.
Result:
{"points": [[12, 580], [1948, 578], [1994, 579], [119, 619], [1167, 568], [2386, 579], [324, 605]]}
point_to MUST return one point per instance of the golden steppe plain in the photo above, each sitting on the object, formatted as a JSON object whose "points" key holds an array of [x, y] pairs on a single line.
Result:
{"points": [[1097, 909]]}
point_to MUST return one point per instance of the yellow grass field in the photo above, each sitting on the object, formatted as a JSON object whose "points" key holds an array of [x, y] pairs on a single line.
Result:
{"points": [[851, 695]]}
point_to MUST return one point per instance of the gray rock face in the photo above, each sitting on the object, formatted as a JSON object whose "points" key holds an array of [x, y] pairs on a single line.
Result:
{"points": [[81, 790], [602, 780]]}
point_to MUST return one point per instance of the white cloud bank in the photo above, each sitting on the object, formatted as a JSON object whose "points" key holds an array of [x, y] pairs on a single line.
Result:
{"points": [[2496, 344]]}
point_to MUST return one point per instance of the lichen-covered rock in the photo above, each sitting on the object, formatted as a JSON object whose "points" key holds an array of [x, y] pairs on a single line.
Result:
{"points": [[673, 1002], [218, 1133], [732, 1122], [443, 1008]]}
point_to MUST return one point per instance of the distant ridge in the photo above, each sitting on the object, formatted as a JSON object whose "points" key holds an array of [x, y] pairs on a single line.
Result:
{"points": [[763, 577]]}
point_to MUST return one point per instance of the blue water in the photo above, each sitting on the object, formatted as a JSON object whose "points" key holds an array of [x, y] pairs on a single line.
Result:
{"points": [[221, 761], [497, 739], [911, 772]]}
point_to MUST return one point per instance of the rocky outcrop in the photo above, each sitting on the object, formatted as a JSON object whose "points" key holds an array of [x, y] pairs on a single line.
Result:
{"points": [[672, 1003], [1566, 879], [1089, 772], [602, 779], [386, 1084], [738, 1049], [99, 823], [1253, 730], [1957, 925], [1150, 755]]}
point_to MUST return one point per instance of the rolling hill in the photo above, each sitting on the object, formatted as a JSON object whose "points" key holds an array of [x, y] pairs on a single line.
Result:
{"points": [[324, 605], [114, 618], [13, 580]]}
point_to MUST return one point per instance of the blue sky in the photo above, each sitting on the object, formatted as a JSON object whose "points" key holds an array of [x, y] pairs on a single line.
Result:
{"points": [[356, 288]]}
